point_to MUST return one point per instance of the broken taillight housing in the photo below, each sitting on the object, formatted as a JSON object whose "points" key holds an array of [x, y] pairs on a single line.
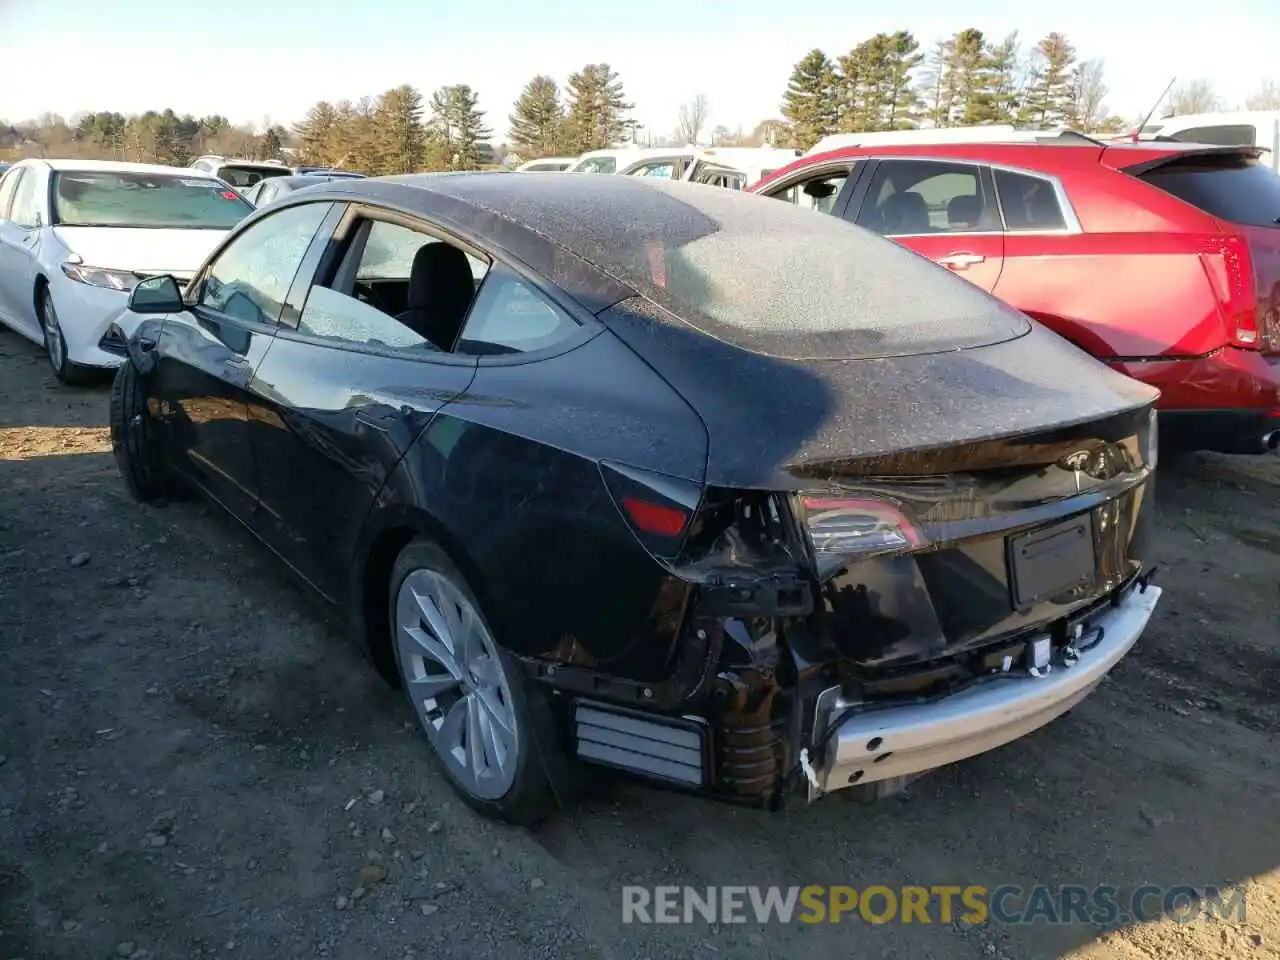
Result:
{"points": [[858, 526]]}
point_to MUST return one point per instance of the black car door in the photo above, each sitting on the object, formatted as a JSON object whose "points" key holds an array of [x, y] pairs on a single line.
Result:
{"points": [[352, 379], [207, 354]]}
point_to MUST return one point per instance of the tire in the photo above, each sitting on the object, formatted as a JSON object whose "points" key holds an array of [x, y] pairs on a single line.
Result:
{"points": [[134, 439], [55, 345], [538, 777]]}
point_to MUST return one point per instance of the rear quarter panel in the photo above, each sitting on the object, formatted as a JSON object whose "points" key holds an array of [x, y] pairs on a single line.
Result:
{"points": [[1139, 282], [509, 474]]}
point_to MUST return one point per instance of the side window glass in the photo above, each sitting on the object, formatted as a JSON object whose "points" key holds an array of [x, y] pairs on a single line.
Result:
{"points": [[510, 316], [665, 169], [819, 193], [1225, 135], [1030, 204], [8, 186], [251, 277], [396, 289], [23, 211], [913, 197]]}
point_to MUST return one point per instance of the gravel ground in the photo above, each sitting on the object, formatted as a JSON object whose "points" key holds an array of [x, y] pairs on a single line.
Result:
{"points": [[195, 762]]}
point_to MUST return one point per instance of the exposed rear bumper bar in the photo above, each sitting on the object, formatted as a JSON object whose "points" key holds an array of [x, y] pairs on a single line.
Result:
{"points": [[901, 741]]}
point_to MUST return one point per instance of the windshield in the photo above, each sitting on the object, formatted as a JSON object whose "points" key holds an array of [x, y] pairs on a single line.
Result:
{"points": [[1235, 188], [597, 165], [151, 200]]}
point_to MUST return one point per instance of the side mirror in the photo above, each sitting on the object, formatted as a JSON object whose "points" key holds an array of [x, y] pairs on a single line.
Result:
{"points": [[157, 295]]}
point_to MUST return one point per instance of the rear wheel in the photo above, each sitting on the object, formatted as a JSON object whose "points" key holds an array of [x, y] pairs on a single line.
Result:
{"points": [[134, 436], [55, 344], [491, 732]]}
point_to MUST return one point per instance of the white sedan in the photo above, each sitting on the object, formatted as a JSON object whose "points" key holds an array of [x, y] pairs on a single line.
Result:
{"points": [[77, 235]]}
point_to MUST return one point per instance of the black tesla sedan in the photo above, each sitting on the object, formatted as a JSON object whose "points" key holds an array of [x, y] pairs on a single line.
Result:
{"points": [[658, 477]]}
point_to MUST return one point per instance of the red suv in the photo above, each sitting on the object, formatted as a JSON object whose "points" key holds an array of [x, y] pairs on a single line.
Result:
{"points": [[1161, 259]]}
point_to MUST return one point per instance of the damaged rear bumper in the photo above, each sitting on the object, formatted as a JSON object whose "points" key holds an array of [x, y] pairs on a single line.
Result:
{"points": [[892, 742]]}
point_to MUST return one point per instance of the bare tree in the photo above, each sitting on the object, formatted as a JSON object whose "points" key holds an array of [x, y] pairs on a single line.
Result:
{"points": [[1267, 98], [1194, 96], [1090, 95], [692, 118]]}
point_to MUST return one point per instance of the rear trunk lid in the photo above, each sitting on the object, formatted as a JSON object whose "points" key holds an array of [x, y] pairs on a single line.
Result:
{"points": [[1240, 191]]}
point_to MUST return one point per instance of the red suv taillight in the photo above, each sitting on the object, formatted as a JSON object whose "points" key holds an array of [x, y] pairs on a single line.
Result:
{"points": [[1244, 328]]}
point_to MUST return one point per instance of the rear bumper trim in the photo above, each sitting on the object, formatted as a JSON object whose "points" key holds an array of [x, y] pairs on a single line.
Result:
{"points": [[902, 741]]}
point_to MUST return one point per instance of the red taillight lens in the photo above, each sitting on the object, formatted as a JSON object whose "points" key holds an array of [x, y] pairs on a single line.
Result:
{"points": [[853, 527], [659, 509], [655, 518], [1241, 307]]}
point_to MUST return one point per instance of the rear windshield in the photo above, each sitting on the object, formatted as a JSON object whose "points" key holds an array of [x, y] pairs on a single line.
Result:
{"points": [[154, 200], [769, 276], [1234, 188], [246, 175]]}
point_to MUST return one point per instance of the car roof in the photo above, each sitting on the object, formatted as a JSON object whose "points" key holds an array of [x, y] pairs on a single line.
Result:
{"points": [[589, 236], [1042, 155], [115, 166]]}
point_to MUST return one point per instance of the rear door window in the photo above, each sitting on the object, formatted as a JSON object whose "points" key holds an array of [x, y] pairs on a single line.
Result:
{"points": [[1235, 188], [1030, 204]]}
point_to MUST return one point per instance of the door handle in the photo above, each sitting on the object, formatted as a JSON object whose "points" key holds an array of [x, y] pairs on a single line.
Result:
{"points": [[961, 261]]}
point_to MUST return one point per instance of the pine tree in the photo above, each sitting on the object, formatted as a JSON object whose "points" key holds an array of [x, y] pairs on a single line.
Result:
{"points": [[459, 122], [972, 78], [901, 104], [1050, 94], [858, 75], [271, 143], [938, 83], [597, 108], [810, 103], [314, 132], [402, 139], [537, 121], [1003, 63]]}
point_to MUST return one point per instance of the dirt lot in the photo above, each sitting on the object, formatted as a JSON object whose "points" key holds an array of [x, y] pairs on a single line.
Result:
{"points": [[194, 762]]}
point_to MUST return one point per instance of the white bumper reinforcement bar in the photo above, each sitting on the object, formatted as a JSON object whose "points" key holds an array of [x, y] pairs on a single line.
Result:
{"points": [[901, 741]]}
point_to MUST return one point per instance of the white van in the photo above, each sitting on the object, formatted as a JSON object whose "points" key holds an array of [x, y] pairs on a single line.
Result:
{"points": [[1245, 128]]}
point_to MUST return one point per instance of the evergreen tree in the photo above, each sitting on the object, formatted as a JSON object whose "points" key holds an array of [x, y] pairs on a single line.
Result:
{"points": [[271, 143], [811, 102], [315, 133], [1050, 94], [938, 83], [537, 121], [459, 122], [1003, 65], [971, 78], [402, 139], [597, 108], [901, 103]]}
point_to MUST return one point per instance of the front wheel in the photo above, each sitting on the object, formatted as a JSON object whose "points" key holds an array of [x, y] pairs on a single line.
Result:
{"points": [[491, 733], [134, 436], [55, 345]]}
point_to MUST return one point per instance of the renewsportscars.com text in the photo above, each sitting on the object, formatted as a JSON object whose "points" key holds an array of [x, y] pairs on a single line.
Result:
{"points": [[971, 904]]}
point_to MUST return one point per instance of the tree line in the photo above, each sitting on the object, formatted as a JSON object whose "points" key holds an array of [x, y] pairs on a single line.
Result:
{"points": [[885, 82], [889, 82]]}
